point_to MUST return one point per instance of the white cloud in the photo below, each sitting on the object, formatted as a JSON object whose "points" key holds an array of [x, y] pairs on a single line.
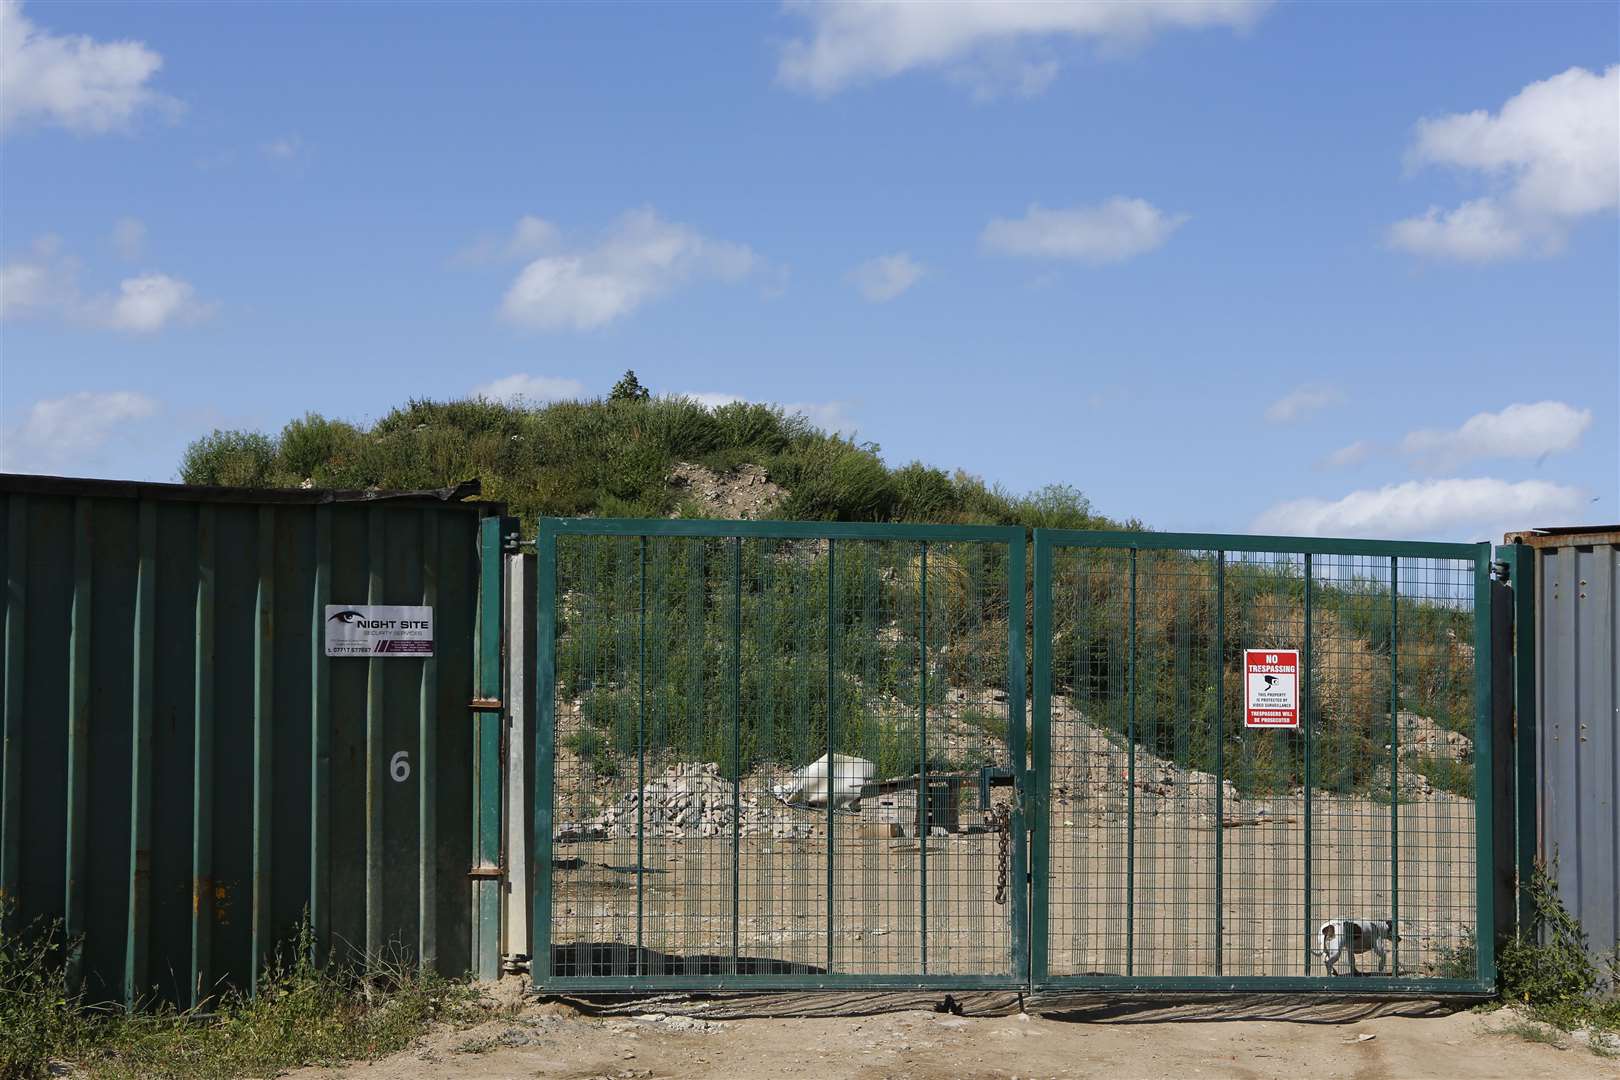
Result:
{"points": [[1111, 231], [1346, 456], [44, 284], [70, 433], [833, 416], [129, 238], [886, 276], [1525, 431], [83, 85], [1553, 155], [148, 303], [1302, 402], [1458, 509], [640, 257], [982, 43], [531, 236], [711, 399], [536, 388]]}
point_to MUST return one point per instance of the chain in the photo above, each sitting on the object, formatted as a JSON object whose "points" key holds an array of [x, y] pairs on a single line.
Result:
{"points": [[1001, 819]]}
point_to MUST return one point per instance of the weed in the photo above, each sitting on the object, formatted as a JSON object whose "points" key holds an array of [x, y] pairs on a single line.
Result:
{"points": [[304, 1013], [1548, 969], [1447, 774]]}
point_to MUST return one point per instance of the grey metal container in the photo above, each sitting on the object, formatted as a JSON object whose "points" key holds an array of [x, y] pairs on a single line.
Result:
{"points": [[185, 776], [1576, 699]]}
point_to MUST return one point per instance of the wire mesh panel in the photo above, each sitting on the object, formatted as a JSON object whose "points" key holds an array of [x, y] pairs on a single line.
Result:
{"points": [[1179, 845], [779, 754]]}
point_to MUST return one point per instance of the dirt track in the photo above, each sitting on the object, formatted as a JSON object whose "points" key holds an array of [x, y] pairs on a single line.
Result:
{"points": [[553, 1041]]}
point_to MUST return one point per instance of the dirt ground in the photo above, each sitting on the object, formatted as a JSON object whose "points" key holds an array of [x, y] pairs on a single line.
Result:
{"points": [[552, 1040]]}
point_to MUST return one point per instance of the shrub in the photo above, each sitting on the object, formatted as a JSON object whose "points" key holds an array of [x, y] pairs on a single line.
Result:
{"points": [[229, 458], [311, 445]]}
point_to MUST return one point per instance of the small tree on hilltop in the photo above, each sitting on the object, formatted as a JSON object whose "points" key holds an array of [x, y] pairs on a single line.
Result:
{"points": [[629, 388]]}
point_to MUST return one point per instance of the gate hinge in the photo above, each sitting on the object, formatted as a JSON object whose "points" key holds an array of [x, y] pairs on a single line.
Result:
{"points": [[1501, 571], [485, 704], [487, 872]]}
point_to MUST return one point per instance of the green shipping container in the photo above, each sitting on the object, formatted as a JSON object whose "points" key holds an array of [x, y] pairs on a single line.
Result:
{"points": [[187, 776]]}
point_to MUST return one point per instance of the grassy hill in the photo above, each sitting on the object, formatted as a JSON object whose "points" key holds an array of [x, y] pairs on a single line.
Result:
{"points": [[612, 457]]}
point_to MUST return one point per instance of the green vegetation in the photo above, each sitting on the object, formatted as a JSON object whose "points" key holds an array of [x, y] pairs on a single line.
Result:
{"points": [[612, 457], [1447, 774], [1548, 970], [303, 1014]]}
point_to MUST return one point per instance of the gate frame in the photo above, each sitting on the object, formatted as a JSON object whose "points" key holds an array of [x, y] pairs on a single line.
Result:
{"points": [[1013, 537], [1040, 817]]}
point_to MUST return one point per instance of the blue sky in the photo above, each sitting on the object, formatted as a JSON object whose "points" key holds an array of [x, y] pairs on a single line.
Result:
{"points": [[1229, 267]]}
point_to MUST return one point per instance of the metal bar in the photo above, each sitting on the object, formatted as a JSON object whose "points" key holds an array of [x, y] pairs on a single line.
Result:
{"points": [[320, 744], [487, 726], [376, 551], [784, 530], [427, 764], [1017, 753], [1394, 766], [78, 746], [1040, 857], [137, 932], [641, 765], [832, 759], [202, 767], [1484, 795], [1522, 566], [1220, 757], [1305, 715], [1130, 789], [16, 671], [263, 932], [545, 736], [1288, 545], [736, 750], [1329, 988], [922, 748]]}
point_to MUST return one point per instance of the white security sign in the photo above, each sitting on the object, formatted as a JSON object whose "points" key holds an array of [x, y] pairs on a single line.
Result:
{"points": [[1272, 688], [378, 630]]}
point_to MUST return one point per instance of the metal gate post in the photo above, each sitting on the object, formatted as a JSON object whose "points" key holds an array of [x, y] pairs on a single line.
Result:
{"points": [[1484, 800], [1520, 560], [486, 719], [1040, 858], [545, 734]]}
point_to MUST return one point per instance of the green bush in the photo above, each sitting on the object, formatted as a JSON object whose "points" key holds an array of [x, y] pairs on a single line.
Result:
{"points": [[1548, 968], [230, 458]]}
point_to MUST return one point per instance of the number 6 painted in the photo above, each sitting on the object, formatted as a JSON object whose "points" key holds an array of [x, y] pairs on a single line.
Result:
{"points": [[399, 766]]}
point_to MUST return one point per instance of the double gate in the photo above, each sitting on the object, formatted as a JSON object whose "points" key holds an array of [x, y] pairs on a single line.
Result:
{"points": [[793, 755]]}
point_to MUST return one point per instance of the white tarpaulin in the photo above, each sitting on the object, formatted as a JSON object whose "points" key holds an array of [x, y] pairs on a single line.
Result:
{"points": [[809, 784]]}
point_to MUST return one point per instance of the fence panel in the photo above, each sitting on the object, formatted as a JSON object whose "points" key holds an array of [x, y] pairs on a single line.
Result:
{"points": [[778, 754], [186, 777], [1176, 846]]}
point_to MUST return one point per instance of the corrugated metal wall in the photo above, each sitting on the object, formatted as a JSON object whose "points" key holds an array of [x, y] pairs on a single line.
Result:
{"points": [[1578, 732], [185, 774]]}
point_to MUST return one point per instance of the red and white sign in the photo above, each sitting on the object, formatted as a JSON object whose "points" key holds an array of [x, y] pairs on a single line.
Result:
{"points": [[1271, 688]]}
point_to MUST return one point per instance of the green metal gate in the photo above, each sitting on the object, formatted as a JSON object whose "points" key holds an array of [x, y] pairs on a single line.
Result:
{"points": [[776, 754], [1177, 848], [793, 755]]}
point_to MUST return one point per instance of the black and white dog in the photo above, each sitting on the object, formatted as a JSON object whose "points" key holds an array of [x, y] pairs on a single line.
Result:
{"points": [[1342, 938]]}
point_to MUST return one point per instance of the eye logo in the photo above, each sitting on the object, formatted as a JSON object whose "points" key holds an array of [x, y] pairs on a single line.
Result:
{"points": [[348, 618]]}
